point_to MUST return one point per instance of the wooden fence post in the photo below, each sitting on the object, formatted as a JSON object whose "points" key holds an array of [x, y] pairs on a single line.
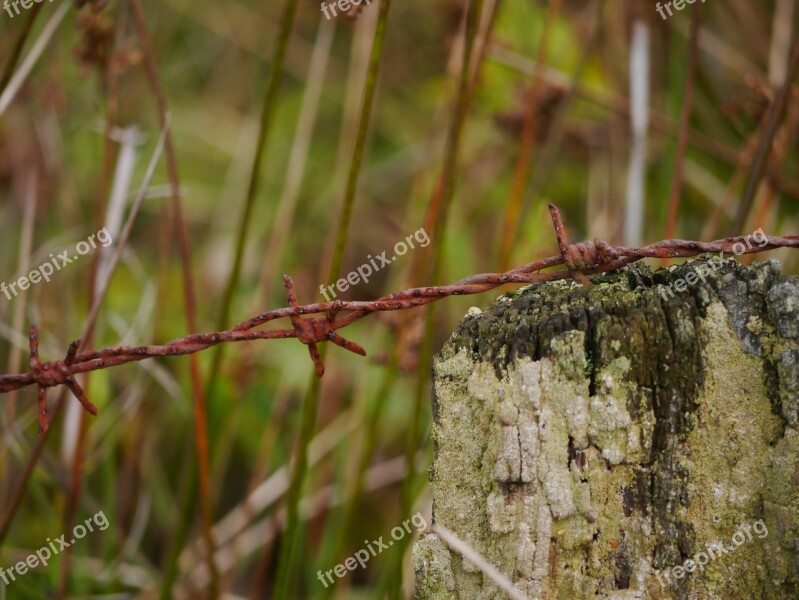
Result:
{"points": [[638, 438]]}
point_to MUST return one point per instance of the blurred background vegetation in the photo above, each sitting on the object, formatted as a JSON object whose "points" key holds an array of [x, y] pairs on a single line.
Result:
{"points": [[298, 474]]}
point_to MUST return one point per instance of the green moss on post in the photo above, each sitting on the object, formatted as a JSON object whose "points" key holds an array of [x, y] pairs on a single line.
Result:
{"points": [[592, 441]]}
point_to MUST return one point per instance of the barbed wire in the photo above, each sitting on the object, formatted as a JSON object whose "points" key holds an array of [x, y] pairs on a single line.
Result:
{"points": [[581, 259]]}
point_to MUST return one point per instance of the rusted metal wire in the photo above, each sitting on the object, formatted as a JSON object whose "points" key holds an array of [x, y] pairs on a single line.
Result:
{"points": [[581, 259]]}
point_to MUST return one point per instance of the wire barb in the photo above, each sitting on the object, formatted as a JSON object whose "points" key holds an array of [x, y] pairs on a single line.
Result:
{"points": [[52, 374], [311, 331], [584, 255]]}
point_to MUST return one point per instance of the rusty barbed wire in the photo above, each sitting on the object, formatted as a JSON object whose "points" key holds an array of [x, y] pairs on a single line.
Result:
{"points": [[581, 259]]}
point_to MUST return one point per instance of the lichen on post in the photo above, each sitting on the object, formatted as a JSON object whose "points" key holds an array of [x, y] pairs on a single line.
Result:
{"points": [[602, 441]]}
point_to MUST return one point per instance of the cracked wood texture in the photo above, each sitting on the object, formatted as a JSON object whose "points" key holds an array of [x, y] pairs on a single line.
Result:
{"points": [[590, 439]]}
